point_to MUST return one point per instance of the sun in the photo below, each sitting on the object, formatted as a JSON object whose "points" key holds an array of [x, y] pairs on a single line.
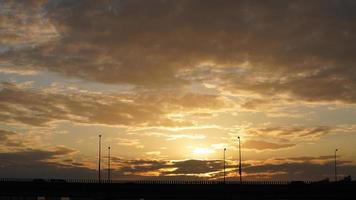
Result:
{"points": [[202, 151]]}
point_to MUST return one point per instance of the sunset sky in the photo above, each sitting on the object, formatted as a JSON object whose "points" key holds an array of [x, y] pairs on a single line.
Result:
{"points": [[170, 83]]}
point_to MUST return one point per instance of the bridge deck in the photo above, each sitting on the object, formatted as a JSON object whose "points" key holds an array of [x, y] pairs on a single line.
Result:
{"points": [[160, 190]]}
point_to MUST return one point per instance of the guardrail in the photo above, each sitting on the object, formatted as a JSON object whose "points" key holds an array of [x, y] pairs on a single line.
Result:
{"points": [[192, 182]]}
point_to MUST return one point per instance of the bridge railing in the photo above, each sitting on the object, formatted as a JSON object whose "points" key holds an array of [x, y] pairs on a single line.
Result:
{"points": [[201, 182]]}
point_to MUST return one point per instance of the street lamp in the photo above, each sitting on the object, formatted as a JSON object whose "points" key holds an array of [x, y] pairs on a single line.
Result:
{"points": [[335, 166], [109, 164], [224, 165], [99, 175], [240, 159]]}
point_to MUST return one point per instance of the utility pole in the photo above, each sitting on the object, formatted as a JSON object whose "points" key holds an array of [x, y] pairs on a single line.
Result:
{"points": [[99, 170], [335, 167], [224, 165], [240, 159], [109, 164]]}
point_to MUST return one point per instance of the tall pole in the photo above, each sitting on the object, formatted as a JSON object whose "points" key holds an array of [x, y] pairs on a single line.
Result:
{"points": [[335, 166], [224, 165], [240, 159], [99, 172], [109, 164]]}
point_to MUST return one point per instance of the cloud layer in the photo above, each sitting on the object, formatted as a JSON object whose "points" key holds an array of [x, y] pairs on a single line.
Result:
{"points": [[33, 164], [19, 104], [302, 50]]}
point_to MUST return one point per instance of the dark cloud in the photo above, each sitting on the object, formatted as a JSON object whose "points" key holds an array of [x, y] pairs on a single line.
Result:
{"points": [[40, 107], [33, 163], [37, 163], [22, 24], [40, 163], [137, 167], [22, 157], [300, 171], [197, 166], [288, 168], [184, 169], [301, 49]]}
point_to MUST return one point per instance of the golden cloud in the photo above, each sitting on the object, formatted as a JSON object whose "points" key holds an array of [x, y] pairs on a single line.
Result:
{"points": [[38, 107]]}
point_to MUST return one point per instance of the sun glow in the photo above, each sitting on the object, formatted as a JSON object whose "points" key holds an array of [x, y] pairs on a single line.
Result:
{"points": [[202, 151]]}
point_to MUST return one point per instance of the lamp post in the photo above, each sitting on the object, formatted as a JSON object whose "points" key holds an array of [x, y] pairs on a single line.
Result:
{"points": [[109, 164], [240, 159], [99, 171], [335, 166], [224, 165]]}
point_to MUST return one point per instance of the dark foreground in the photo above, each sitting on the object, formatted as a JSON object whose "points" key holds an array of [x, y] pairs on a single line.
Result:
{"points": [[21, 190]]}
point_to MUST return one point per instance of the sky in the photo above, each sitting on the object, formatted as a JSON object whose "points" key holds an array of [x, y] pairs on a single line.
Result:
{"points": [[170, 84]]}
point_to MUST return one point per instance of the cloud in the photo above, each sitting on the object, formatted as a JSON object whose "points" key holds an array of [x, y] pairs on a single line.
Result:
{"points": [[279, 137], [20, 159], [40, 163], [296, 133], [243, 47], [153, 153], [35, 163], [256, 104], [39, 107], [196, 166], [290, 168], [8, 138], [11, 140], [17, 71], [26, 156], [139, 167], [191, 169], [184, 136], [305, 159], [172, 135], [129, 142], [300, 171], [23, 24], [264, 145]]}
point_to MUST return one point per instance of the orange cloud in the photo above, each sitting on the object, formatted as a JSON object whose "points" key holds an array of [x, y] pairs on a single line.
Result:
{"points": [[263, 145], [39, 107]]}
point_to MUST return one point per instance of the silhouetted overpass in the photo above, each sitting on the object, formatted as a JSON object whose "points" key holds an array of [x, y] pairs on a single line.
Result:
{"points": [[19, 189]]}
